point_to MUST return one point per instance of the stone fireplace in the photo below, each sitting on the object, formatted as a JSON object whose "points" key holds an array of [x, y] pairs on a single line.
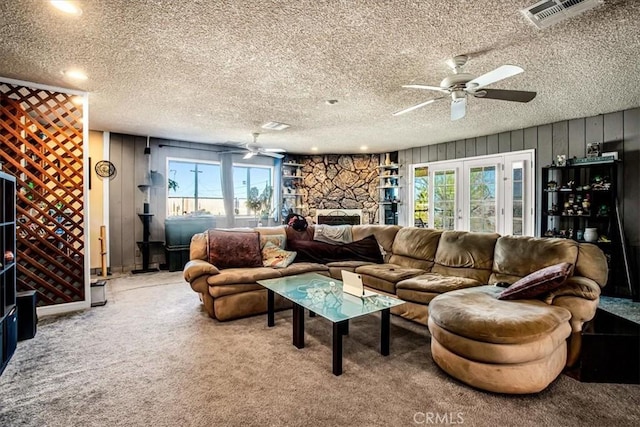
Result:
{"points": [[342, 183]]}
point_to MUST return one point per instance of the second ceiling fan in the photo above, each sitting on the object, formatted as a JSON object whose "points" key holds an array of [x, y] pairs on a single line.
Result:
{"points": [[460, 85]]}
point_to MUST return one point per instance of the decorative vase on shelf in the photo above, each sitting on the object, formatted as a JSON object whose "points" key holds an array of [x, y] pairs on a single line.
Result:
{"points": [[591, 234], [387, 159]]}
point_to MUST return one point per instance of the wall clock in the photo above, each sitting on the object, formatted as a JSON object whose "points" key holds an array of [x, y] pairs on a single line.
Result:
{"points": [[105, 169]]}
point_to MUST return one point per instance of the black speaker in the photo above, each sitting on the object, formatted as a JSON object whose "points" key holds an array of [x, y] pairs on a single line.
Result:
{"points": [[27, 317]]}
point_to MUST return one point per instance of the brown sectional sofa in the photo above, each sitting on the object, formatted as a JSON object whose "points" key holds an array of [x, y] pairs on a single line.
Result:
{"points": [[422, 264]]}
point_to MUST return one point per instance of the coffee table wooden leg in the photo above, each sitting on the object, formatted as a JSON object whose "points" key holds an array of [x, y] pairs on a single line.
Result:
{"points": [[338, 331], [270, 308], [298, 326], [385, 319]]}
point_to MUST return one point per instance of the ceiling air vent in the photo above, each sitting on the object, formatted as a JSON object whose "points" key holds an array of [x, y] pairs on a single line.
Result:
{"points": [[548, 12]]}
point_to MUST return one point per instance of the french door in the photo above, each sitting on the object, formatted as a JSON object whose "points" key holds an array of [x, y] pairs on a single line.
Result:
{"points": [[486, 194]]}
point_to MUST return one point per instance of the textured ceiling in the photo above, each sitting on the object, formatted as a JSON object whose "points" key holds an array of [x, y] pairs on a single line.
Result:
{"points": [[214, 71]]}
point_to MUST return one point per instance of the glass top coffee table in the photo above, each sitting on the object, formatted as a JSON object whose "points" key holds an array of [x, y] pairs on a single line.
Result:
{"points": [[323, 296]]}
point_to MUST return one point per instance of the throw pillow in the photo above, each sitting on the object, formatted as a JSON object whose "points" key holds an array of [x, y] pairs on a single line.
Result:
{"points": [[277, 239], [273, 256], [234, 249], [538, 283]]}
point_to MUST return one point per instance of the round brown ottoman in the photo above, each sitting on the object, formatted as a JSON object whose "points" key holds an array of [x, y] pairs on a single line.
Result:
{"points": [[513, 347]]}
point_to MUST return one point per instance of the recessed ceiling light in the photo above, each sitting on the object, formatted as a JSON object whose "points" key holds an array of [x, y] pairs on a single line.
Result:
{"points": [[75, 74], [314, 148], [364, 148], [275, 126], [66, 6]]}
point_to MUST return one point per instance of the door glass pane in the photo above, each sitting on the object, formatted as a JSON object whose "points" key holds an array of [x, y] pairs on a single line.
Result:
{"points": [[421, 196], [518, 199], [482, 198], [444, 194]]}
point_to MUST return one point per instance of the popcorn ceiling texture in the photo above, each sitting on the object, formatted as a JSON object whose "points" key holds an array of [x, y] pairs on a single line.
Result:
{"points": [[214, 71]]}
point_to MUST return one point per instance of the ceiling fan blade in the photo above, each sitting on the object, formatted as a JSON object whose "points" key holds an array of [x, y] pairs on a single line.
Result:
{"points": [[496, 75], [271, 154], [458, 108], [274, 150], [426, 87], [415, 107], [249, 155], [506, 95]]}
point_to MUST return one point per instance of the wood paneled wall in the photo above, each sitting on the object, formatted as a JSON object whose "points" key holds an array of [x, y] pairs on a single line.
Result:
{"points": [[619, 131], [126, 200]]}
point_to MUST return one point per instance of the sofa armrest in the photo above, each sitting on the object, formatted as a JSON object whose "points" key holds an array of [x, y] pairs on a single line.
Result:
{"points": [[577, 286], [196, 268]]}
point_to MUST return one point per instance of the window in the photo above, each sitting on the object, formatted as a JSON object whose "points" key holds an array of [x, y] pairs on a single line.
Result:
{"points": [[197, 187], [421, 196], [194, 187], [484, 194], [444, 199], [246, 178]]}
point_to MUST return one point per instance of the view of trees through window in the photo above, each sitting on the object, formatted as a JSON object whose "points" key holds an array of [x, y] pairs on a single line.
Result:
{"points": [[421, 196], [196, 187], [444, 199], [482, 199], [490, 193]]}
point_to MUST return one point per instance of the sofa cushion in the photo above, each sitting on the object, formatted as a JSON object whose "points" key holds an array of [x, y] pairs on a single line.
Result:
{"points": [[437, 283], [465, 254], [231, 249], [591, 261], [478, 314], [313, 251], [415, 247], [303, 267], [518, 256], [389, 272], [233, 276], [538, 282], [273, 256]]}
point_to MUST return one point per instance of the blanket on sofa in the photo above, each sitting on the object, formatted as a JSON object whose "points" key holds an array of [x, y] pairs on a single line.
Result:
{"points": [[366, 249], [332, 233]]}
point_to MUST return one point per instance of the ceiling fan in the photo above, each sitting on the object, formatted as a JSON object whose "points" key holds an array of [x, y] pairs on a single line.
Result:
{"points": [[459, 85], [253, 149]]}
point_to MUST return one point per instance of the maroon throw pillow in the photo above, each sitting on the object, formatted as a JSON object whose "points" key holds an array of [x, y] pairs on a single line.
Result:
{"points": [[538, 283], [234, 249]]}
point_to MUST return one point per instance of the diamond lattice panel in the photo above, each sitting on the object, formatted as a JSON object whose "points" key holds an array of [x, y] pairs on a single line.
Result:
{"points": [[41, 138]]}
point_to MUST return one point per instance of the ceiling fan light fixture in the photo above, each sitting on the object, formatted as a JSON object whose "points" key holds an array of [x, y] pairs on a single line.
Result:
{"points": [[275, 126]]}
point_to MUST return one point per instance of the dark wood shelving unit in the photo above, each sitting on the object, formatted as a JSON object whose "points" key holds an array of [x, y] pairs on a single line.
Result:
{"points": [[8, 254], [580, 196]]}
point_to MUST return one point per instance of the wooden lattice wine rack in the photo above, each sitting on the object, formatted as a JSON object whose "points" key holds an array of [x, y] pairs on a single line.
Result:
{"points": [[42, 146]]}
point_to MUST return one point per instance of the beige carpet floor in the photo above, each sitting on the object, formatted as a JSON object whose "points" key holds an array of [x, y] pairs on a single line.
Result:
{"points": [[152, 357]]}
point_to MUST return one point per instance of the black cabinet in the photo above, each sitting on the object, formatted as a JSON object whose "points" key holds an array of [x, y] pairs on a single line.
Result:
{"points": [[579, 202], [8, 317]]}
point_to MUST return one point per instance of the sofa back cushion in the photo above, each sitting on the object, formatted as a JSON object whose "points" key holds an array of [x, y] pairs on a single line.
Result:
{"points": [[592, 263], [233, 249], [519, 256], [465, 254], [384, 234], [415, 247]]}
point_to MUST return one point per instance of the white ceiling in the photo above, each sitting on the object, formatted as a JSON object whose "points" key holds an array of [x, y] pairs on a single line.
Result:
{"points": [[214, 71]]}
